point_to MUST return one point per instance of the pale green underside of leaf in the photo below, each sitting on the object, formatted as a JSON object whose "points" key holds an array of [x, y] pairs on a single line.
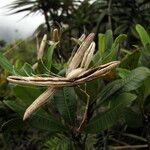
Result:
{"points": [[145, 38]]}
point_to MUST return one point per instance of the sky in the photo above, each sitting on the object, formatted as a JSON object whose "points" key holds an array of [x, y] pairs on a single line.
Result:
{"points": [[15, 26]]}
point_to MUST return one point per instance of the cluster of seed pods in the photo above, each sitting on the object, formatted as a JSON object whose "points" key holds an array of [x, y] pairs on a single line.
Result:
{"points": [[77, 72]]}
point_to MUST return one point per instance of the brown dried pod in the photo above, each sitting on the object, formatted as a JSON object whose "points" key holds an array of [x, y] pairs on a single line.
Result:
{"points": [[81, 39], [87, 75], [58, 82], [55, 35], [42, 99], [77, 58], [75, 73], [88, 56]]}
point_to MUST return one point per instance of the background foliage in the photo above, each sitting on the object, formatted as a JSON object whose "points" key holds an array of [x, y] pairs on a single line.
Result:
{"points": [[118, 112]]}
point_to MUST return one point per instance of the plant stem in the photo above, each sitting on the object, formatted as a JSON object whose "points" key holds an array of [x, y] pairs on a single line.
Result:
{"points": [[128, 147]]}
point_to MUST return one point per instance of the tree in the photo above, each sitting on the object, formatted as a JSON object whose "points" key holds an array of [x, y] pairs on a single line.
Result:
{"points": [[51, 9], [2, 43]]}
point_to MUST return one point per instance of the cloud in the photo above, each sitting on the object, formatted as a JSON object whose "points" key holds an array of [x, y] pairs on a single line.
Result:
{"points": [[12, 23]]}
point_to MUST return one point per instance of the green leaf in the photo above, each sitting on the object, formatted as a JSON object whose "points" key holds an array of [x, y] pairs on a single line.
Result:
{"points": [[136, 78], [107, 49], [101, 43], [17, 106], [92, 89], [5, 63], [130, 61], [39, 120], [26, 70], [42, 69], [132, 118], [110, 55], [66, 103], [122, 72], [26, 94], [97, 59], [133, 81], [59, 143], [49, 56], [47, 123], [109, 39], [145, 38], [145, 56], [121, 38], [109, 118]]}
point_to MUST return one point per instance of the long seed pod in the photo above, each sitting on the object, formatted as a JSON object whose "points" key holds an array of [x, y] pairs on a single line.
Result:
{"points": [[76, 60], [88, 56], [42, 47], [75, 73], [97, 73], [42, 99], [81, 39], [85, 76]]}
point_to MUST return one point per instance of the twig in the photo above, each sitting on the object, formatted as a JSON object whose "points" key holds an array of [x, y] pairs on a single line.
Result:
{"points": [[120, 142], [135, 137], [128, 147], [84, 120]]}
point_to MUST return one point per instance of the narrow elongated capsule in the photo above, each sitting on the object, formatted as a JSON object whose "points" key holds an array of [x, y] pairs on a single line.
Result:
{"points": [[42, 47], [42, 99], [77, 58], [75, 73], [88, 56], [81, 39], [55, 35]]}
